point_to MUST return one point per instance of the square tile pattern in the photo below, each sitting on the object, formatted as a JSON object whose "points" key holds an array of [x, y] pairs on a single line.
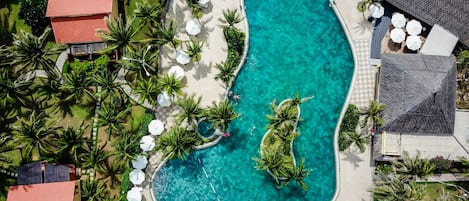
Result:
{"points": [[364, 86]]}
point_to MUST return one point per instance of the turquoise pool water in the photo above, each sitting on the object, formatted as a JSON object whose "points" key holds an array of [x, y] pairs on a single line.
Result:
{"points": [[204, 128], [295, 46]]}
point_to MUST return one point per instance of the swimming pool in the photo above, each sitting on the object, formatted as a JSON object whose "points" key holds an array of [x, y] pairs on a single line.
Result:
{"points": [[295, 46]]}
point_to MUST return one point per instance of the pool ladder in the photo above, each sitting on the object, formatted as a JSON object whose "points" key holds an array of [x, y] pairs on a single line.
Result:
{"points": [[210, 182]]}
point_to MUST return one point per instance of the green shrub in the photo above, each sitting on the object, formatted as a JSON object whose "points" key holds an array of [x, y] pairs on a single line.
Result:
{"points": [[235, 39], [441, 164], [34, 14], [147, 117], [349, 124]]}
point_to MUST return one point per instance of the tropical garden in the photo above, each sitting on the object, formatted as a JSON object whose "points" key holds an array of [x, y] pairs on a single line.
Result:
{"points": [[276, 154], [80, 113]]}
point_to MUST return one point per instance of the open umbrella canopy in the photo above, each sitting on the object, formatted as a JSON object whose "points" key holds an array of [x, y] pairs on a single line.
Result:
{"points": [[376, 10], [193, 27], [203, 3], [398, 20], [134, 194], [147, 143], [413, 27], [155, 127], [397, 35], [177, 71], [413, 42], [140, 162], [163, 99], [137, 176], [182, 57]]}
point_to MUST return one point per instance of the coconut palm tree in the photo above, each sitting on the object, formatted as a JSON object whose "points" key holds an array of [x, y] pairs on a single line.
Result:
{"points": [[71, 144], [5, 57], [230, 17], [106, 80], [191, 110], [221, 115], [142, 61], [149, 12], [77, 84], [360, 140], [126, 146], [95, 156], [165, 35], [226, 72], [373, 112], [147, 89], [414, 166], [272, 160], [286, 133], [171, 85], [194, 49], [5, 158], [178, 143], [298, 173], [399, 187], [112, 172], [12, 90], [93, 190], [282, 116], [111, 117], [31, 52], [36, 134], [121, 35]]}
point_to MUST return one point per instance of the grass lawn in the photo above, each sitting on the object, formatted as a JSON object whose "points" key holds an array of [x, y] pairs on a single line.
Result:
{"points": [[434, 190], [15, 7]]}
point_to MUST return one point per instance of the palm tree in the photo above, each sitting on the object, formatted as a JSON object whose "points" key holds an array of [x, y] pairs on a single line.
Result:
{"points": [[272, 160], [191, 110], [415, 166], [226, 74], [360, 140], [126, 146], [221, 115], [194, 49], [178, 143], [77, 84], [171, 85], [30, 52], [142, 60], [71, 144], [12, 90], [36, 133], [5, 57], [106, 80], [147, 89], [230, 17], [5, 158], [121, 35], [112, 171], [286, 133], [93, 190], [282, 116], [298, 173], [400, 187], [165, 35], [111, 117], [373, 112], [149, 12], [95, 156]]}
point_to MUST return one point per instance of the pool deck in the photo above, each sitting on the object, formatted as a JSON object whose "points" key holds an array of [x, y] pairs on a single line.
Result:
{"points": [[354, 169]]}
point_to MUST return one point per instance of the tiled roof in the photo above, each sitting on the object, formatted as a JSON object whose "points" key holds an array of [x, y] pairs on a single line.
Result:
{"points": [[72, 8], [78, 29], [453, 15], [57, 191]]}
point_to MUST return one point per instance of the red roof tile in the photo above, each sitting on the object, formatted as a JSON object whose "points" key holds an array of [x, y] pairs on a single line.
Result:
{"points": [[77, 29], [72, 8], [58, 191]]}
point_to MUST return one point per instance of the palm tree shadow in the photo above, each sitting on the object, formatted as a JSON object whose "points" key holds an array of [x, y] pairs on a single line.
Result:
{"points": [[363, 26], [353, 158], [202, 70]]}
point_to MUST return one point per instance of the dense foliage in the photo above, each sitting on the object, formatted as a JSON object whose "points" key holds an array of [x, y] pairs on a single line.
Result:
{"points": [[34, 14], [349, 124]]}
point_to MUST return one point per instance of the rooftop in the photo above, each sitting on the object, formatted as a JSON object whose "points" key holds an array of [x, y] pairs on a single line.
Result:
{"points": [[58, 191], [73, 8], [78, 29]]}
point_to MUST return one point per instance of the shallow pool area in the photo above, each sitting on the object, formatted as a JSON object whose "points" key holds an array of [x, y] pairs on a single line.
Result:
{"points": [[295, 46]]}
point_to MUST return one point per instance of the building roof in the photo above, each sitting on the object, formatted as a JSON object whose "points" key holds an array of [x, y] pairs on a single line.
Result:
{"points": [[73, 8], [58, 191], [453, 15], [40, 172], [78, 29], [419, 92]]}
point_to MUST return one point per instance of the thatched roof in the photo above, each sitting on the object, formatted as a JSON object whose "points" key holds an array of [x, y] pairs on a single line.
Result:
{"points": [[453, 15], [419, 92]]}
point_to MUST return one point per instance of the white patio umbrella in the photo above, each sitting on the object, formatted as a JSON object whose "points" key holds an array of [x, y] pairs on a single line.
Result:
{"points": [[140, 162], [413, 27], [376, 10], [137, 176], [134, 194], [398, 20], [182, 57], [203, 3], [413, 42], [177, 71], [155, 127], [163, 99], [147, 143], [397, 35], [193, 27]]}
